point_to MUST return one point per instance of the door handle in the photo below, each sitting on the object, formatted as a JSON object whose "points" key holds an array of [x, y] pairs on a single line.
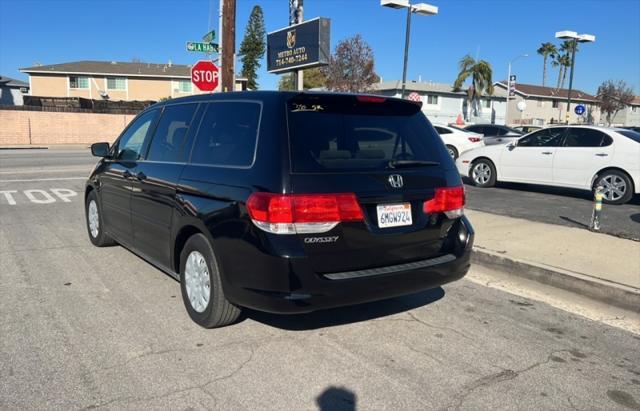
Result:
{"points": [[546, 153], [127, 175], [602, 154], [141, 176]]}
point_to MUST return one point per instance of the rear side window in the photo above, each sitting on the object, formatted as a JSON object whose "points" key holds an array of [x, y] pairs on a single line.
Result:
{"points": [[169, 140], [586, 137], [228, 134], [132, 140], [442, 130], [476, 129], [342, 133]]}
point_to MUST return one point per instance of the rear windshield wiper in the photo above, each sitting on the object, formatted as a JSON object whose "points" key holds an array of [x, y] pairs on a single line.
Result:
{"points": [[411, 163]]}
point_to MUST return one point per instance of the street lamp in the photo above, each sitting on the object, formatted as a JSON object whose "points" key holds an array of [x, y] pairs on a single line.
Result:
{"points": [[420, 8], [577, 38], [506, 111]]}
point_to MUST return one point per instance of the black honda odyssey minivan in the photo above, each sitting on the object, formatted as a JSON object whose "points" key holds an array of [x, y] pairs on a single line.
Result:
{"points": [[285, 202]]}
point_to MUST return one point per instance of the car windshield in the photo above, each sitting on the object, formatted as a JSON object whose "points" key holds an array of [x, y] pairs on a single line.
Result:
{"points": [[633, 135], [345, 133], [462, 129]]}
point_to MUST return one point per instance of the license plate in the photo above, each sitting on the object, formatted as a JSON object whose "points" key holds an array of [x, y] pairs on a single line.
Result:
{"points": [[394, 215]]}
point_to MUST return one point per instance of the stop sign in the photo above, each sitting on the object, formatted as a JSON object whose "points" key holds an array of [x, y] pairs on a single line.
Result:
{"points": [[204, 74]]}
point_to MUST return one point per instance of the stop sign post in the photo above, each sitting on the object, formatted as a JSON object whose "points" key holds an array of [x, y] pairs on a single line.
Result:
{"points": [[205, 75]]}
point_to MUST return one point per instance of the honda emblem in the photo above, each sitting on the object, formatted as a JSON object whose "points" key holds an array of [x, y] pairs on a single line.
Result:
{"points": [[396, 181]]}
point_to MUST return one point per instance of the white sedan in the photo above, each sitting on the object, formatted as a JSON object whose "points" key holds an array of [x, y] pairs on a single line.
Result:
{"points": [[580, 157], [458, 140]]}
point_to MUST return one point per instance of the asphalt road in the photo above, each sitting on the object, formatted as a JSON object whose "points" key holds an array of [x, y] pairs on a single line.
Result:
{"points": [[554, 205], [85, 327]]}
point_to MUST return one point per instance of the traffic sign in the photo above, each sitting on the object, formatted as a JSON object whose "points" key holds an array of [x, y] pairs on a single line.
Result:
{"points": [[205, 75], [579, 110], [209, 37], [512, 85], [202, 47]]}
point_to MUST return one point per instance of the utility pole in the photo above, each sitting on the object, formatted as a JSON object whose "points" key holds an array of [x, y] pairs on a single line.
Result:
{"points": [[296, 17], [228, 35], [220, 37]]}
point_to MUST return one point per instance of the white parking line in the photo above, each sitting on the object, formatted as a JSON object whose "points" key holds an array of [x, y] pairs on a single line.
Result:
{"points": [[44, 170], [43, 179]]}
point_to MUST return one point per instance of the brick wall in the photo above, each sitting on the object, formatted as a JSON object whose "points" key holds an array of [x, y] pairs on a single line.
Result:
{"points": [[49, 128]]}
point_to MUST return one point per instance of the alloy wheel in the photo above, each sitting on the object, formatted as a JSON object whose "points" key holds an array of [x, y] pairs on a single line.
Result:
{"points": [[94, 219], [481, 173], [614, 187]]}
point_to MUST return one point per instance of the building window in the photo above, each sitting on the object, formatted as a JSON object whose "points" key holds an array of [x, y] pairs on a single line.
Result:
{"points": [[486, 103], [555, 103], [116, 83], [78, 82], [432, 99], [185, 86]]}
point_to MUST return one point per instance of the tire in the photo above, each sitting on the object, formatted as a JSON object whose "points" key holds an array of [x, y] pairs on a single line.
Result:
{"points": [[618, 187], [95, 223], [198, 272], [483, 173], [452, 151]]}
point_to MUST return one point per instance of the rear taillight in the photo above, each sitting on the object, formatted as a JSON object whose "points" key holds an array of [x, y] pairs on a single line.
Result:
{"points": [[448, 200], [475, 139], [302, 213]]}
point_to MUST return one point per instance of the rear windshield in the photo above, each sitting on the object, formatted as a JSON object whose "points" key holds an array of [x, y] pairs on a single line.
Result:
{"points": [[342, 133], [633, 135]]}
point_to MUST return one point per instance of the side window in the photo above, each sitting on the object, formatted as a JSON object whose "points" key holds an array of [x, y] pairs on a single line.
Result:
{"points": [[585, 137], [442, 130], [475, 129], [499, 131], [549, 137], [169, 140], [228, 134], [131, 142]]}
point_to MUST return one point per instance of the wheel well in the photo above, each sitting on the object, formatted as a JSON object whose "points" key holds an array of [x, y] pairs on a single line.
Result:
{"points": [[595, 177], [181, 239], [87, 190]]}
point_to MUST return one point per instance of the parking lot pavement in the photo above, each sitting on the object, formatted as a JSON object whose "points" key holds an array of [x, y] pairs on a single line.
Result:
{"points": [[85, 327], [554, 205]]}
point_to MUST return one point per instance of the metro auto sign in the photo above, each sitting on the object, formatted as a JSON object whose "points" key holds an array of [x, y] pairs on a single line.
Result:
{"points": [[301, 45]]}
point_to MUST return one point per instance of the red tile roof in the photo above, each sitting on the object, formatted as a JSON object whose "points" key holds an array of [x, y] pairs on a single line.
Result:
{"points": [[551, 92]]}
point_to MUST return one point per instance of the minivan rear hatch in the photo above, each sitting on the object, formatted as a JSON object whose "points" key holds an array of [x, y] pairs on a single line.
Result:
{"points": [[385, 152]]}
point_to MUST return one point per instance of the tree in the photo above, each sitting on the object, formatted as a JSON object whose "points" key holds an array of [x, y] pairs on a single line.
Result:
{"points": [[313, 78], [563, 61], [546, 50], [481, 81], [614, 96], [351, 66], [253, 47]]}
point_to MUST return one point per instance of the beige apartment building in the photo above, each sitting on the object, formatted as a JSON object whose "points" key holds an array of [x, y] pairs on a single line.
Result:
{"points": [[114, 80], [546, 105]]}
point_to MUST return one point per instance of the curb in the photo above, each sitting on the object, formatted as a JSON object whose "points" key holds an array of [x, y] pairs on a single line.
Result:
{"points": [[607, 292], [24, 148]]}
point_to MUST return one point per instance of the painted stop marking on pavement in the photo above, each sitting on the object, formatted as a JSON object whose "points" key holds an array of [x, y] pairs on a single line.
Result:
{"points": [[205, 75]]}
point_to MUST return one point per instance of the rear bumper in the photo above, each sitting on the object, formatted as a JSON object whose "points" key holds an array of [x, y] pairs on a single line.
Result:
{"points": [[308, 291]]}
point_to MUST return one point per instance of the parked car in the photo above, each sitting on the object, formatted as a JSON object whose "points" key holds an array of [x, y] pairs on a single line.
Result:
{"points": [[495, 133], [527, 129], [633, 128], [580, 157], [458, 141], [283, 202]]}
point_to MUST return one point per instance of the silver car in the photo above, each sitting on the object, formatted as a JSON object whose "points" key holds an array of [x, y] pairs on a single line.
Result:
{"points": [[495, 133]]}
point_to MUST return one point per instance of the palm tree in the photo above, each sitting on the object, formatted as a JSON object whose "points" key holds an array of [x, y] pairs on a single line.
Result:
{"points": [[563, 61], [546, 50], [481, 80]]}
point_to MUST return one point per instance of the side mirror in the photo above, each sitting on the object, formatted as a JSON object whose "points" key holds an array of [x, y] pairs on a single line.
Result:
{"points": [[100, 149], [513, 144]]}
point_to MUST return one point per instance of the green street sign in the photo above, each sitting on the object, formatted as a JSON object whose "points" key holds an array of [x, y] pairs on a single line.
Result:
{"points": [[197, 47], [209, 37]]}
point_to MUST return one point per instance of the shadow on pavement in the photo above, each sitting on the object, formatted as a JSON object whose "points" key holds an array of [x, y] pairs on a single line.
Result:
{"points": [[338, 399], [574, 222], [635, 217], [347, 315]]}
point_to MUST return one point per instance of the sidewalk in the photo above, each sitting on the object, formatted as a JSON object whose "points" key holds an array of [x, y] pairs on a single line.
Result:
{"points": [[45, 147], [600, 266]]}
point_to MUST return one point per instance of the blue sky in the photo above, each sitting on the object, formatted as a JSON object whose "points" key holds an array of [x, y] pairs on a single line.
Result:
{"points": [[55, 31]]}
